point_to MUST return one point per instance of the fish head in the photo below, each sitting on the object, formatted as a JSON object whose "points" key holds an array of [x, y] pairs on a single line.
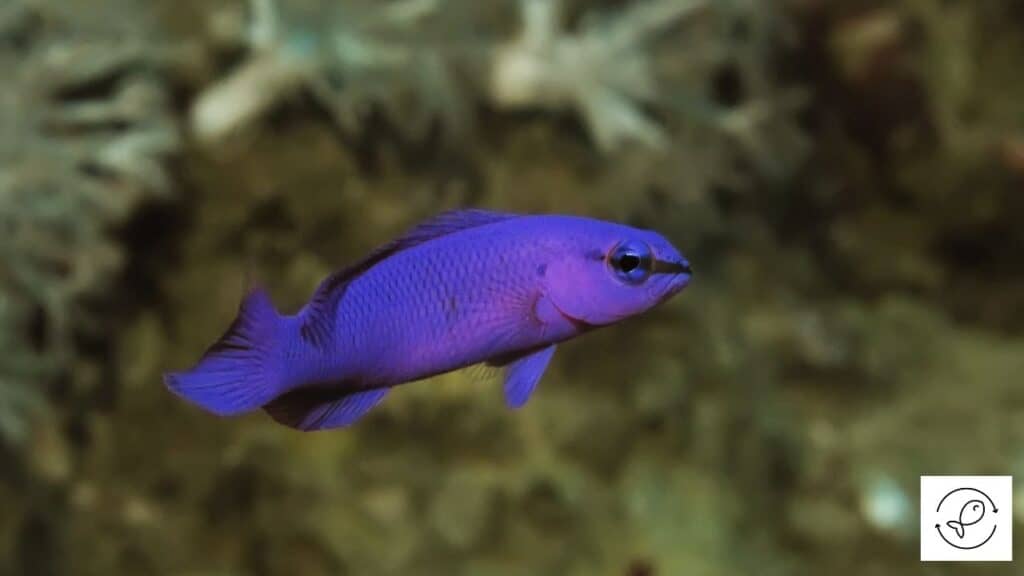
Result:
{"points": [[609, 272]]}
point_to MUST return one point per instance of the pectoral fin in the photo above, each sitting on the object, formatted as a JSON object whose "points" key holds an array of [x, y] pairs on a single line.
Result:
{"points": [[523, 374]]}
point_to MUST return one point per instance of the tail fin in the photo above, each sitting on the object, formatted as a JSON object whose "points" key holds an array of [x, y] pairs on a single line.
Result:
{"points": [[957, 527], [239, 372]]}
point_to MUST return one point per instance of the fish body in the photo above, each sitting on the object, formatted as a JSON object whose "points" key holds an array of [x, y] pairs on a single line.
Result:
{"points": [[464, 288], [970, 514]]}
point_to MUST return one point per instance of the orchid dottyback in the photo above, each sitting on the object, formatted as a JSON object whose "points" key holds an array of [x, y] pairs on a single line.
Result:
{"points": [[464, 288]]}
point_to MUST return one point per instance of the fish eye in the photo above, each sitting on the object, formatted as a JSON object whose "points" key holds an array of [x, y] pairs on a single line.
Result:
{"points": [[631, 261]]}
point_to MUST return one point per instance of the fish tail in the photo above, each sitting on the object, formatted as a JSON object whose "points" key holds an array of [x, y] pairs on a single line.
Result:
{"points": [[241, 371], [957, 527]]}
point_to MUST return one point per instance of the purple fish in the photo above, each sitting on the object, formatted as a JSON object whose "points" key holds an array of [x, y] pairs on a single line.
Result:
{"points": [[464, 288]]}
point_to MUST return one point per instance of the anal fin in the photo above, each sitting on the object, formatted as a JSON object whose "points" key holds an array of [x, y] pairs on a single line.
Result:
{"points": [[311, 409]]}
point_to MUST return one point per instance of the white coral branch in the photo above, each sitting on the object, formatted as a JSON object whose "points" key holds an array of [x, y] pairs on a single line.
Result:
{"points": [[248, 93], [277, 68], [602, 72]]}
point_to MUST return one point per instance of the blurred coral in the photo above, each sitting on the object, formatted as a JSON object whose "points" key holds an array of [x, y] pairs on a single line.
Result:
{"points": [[87, 131]]}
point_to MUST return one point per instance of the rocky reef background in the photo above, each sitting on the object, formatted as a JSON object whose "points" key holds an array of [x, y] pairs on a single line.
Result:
{"points": [[846, 177]]}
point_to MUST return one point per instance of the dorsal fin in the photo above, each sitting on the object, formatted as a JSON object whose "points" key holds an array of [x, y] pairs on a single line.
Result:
{"points": [[321, 308]]}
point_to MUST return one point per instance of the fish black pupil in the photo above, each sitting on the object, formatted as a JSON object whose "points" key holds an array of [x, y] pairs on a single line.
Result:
{"points": [[628, 262]]}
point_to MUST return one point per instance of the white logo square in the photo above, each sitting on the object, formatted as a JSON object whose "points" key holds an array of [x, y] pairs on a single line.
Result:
{"points": [[966, 518]]}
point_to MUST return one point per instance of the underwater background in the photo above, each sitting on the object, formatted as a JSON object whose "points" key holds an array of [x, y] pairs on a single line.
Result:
{"points": [[847, 179]]}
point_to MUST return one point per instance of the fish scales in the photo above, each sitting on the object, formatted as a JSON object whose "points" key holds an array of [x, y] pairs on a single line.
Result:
{"points": [[455, 291]]}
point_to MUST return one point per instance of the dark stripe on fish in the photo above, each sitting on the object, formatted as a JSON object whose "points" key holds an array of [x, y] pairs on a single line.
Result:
{"points": [[663, 267]]}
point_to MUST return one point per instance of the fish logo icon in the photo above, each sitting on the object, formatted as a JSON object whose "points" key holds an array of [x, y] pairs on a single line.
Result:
{"points": [[966, 518], [974, 525]]}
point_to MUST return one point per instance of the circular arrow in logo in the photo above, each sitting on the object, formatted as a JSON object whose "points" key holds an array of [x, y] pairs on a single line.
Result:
{"points": [[971, 519]]}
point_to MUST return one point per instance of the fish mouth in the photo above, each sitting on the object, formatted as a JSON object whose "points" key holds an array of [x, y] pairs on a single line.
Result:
{"points": [[680, 271]]}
